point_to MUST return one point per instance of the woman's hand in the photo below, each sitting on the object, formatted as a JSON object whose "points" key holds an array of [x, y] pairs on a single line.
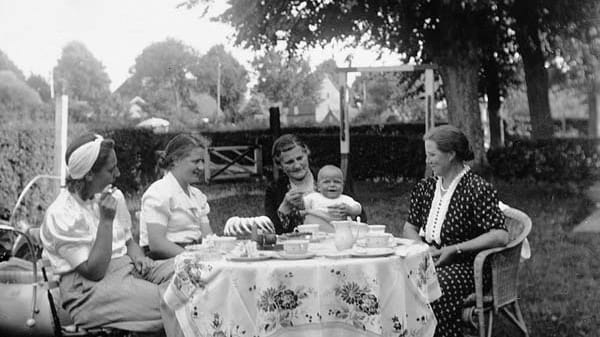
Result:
{"points": [[443, 256], [108, 207], [293, 198], [142, 264]]}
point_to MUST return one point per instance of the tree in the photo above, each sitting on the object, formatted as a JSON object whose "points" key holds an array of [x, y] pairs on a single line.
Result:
{"points": [[7, 64], [17, 99], [81, 75], [286, 79], [163, 74], [39, 84], [444, 32], [234, 77], [538, 25]]}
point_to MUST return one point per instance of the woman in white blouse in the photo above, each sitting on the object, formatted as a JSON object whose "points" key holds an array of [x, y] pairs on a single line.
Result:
{"points": [[105, 279], [174, 213]]}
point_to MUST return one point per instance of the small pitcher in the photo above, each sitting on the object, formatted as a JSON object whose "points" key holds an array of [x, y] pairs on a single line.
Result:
{"points": [[345, 234]]}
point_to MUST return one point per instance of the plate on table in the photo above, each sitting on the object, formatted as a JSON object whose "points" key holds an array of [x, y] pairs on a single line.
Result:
{"points": [[372, 252], [403, 241], [304, 256], [337, 254], [363, 244], [196, 247], [259, 257]]}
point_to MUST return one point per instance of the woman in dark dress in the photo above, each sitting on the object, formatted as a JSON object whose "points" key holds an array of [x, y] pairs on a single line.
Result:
{"points": [[456, 212], [283, 197]]}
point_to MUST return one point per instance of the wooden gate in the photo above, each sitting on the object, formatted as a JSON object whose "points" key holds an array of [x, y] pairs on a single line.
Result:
{"points": [[232, 162]]}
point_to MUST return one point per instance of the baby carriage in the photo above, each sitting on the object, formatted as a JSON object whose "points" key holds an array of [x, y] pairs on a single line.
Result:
{"points": [[28, 290]]}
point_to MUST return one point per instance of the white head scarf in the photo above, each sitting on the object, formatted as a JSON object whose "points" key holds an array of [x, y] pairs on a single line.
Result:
{"points": [[83, 158]]}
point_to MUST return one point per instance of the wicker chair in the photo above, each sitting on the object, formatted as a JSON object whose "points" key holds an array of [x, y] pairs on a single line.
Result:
{"points": [[502, 297]]}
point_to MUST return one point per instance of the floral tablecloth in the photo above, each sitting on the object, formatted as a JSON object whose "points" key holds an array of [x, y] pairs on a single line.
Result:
{"points": [[385, 296]]}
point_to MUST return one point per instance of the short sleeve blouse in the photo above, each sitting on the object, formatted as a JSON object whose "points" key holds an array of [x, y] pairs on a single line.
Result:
{"points": [[70, 227], [473, 209], [165, 203]]}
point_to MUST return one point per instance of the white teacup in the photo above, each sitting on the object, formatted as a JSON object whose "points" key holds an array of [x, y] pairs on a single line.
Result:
{"points": [[295, 246], [377, 240], [376, 228], [309, 228]]}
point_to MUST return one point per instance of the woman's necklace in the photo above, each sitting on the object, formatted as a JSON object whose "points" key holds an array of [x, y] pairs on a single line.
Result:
{"points": [[444, 189]]}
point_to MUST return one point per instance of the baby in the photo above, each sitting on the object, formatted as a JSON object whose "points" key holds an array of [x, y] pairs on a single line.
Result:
{"points": [[328, 203]]}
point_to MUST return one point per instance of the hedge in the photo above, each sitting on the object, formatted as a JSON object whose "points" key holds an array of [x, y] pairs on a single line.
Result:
{"points": [[561, 160], [372, 155], [389, 152], [26, 151]]}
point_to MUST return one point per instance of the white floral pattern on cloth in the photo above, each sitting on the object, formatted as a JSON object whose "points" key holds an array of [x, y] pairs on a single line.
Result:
{"points": [[281, 307], [362, 297], [189, 276], [357, 304]]}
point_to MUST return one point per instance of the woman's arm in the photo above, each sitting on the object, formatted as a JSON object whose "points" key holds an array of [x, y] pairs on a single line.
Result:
{"points": [[271, 204], [411, 231], [158, 243], [492, 239], [140, 261], [94, 268]]}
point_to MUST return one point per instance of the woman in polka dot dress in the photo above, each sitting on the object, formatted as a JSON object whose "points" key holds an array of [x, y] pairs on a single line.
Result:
{"points": [[456, 212]]}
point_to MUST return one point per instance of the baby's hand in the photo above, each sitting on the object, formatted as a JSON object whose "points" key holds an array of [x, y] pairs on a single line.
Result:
{"points": [[339, 211]]}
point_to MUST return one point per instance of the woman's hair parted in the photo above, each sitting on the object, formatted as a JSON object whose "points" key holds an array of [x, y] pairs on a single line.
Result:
{"points": [[106, 147], [178, 147], [285, 143], [449, 138]]}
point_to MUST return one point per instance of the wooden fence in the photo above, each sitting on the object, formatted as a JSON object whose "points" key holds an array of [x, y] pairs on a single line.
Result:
{"points": [[232, 162]]}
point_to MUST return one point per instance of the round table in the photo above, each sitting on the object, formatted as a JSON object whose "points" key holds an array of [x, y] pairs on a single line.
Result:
{"points": [[320, 296]]}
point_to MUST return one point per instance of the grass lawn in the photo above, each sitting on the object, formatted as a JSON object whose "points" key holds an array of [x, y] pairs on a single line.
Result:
{"points": [[558, 285]]}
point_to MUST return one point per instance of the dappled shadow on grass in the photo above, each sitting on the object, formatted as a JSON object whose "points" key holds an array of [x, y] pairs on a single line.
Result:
{"points": [[558, 285]]}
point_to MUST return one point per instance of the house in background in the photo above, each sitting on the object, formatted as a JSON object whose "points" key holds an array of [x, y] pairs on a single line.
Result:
{"points": [[327, 111], [136, 108]]}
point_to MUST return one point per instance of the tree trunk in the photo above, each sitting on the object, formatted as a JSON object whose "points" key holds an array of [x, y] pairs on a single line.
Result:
{"points": [[536, 76], [460, 79], [594, 109], [492, 88]]}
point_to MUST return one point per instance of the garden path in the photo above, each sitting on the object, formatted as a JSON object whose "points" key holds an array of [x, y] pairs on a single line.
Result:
{"points": [[592, 222]]}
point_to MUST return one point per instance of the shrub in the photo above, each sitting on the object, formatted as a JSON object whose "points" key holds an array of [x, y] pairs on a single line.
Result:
{"points": [[27, 150], [550, 160]]}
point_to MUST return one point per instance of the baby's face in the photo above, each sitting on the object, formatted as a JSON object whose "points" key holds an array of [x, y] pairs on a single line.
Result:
{"points": [[330, 184]]}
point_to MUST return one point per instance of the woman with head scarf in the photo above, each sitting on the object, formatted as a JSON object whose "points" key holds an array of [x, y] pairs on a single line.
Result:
{"points": [[105, 279]]}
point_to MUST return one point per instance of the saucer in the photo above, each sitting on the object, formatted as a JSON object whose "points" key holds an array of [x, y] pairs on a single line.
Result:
{"points": [[337, 254], [363, 244], [259, 257], [372, 252], [304, 256], [403, 241], [196, 247]]}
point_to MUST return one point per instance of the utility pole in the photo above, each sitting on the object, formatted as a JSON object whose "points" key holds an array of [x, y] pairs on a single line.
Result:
{"points": [[218, 90]]}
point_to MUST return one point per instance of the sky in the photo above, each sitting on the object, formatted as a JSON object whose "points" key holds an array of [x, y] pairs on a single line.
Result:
{"points": [[33, 33]]}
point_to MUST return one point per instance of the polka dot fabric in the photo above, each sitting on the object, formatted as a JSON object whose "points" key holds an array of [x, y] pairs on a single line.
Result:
{"points": [[473, 211]]}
